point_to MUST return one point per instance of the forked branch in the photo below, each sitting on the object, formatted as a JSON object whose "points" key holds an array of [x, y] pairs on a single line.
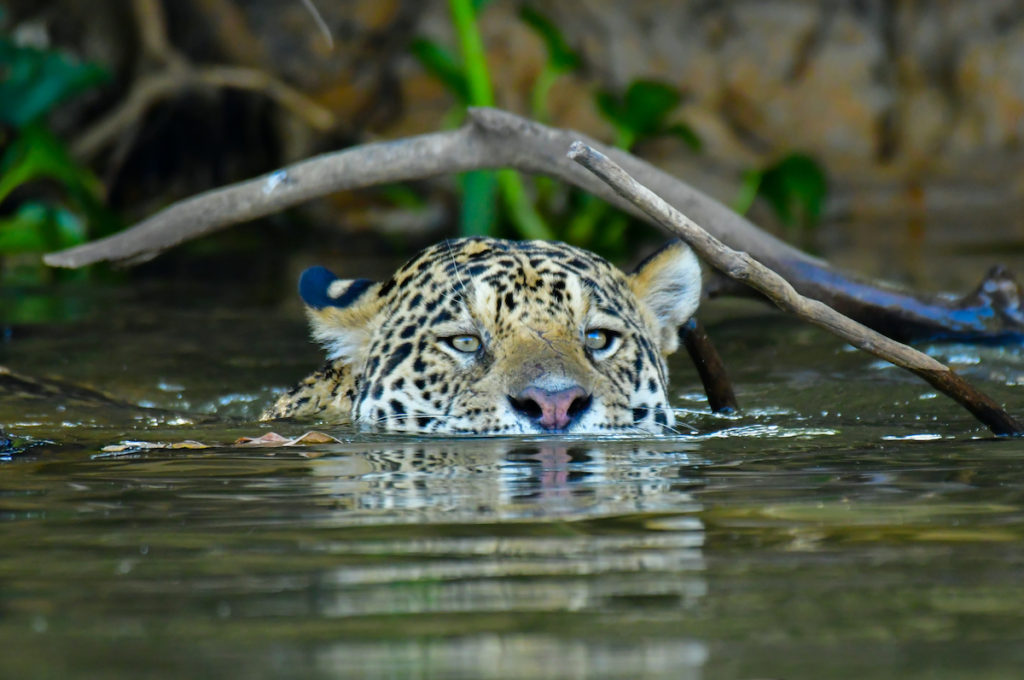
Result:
{"points": [[497, 139], [742, 267], [169, 73]]}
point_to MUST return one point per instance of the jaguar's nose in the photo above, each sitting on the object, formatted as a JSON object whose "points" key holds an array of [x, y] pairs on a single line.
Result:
{"points": [[552, 410]]}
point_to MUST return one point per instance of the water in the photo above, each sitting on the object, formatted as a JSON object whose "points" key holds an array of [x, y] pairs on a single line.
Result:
{"points": [[849, 524]]}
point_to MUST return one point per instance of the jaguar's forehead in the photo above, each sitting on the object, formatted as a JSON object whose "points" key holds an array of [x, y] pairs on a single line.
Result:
{"points": [[523, 270]]}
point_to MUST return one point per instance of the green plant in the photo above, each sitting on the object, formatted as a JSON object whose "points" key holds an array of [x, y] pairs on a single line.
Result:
{"points": [[638, 114], [61, 200], [641, 113], [795, 186], [561, 60], [469, 80]]}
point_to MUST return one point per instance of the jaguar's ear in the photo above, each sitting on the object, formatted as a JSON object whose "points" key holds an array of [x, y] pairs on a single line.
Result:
{"points": [[668, 283], [340, 311]]}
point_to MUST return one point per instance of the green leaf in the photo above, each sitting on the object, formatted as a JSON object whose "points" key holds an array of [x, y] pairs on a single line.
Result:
{"points": [[33, 81], [749, 186], [642, 111], [443, 65], [37, 154], [527, 221], [647, 104], [685, 133], [479, 5], [610, 106], [796, 187], [613, 110], [479, 215], [402, 196], [38, 228], [561, 57], [474, 57]]}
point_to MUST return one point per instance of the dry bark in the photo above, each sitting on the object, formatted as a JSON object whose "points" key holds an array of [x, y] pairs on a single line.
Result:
{"points": [[742, 267]]}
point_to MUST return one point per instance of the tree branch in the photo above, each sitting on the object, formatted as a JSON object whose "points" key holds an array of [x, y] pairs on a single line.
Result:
{"points": [[710, 369], [492, 139], [174, 73], [741, 267]]}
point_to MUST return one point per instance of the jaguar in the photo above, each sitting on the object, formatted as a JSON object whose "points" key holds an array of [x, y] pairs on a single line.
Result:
{"points": [[484, 336]]}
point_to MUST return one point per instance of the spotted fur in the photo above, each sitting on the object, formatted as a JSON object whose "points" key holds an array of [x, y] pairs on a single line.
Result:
{"points": [[483, 336]]}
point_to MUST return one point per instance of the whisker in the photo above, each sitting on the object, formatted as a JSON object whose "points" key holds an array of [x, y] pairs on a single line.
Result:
{"points": [[458, 274], [409, 416]]}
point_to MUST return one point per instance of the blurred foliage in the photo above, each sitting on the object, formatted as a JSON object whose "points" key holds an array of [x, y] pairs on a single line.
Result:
{"points": [[34, 81], [468, 79], [48, 200], [545, 209], [642, 112], [561, 60], [795, 186], [637, 115]]}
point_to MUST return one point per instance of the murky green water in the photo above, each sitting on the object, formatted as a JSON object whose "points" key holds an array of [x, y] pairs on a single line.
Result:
{"points": [[850, 524]]}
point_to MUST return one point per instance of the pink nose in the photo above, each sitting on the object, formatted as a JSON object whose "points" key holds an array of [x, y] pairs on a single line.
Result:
{"points": [[552, 410]]}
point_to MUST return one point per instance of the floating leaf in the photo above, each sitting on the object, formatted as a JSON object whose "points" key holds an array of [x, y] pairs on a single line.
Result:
{"points": [[132, 446], [274, 439]]}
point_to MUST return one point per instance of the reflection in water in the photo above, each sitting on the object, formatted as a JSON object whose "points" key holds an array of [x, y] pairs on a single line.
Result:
{"points": [[505, 479], [824, 528], [593, 551], [471, 559], [516, 656]]}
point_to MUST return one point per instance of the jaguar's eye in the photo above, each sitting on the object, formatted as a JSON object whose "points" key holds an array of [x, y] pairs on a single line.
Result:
{"points": [[467, 344], [600, 339]]}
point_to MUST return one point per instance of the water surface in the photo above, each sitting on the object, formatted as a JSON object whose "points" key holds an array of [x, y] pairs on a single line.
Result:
{"points": [[850, 523]]}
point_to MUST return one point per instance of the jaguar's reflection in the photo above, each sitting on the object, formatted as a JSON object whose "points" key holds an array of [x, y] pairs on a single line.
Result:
{"points": [[508, 479], [551, 542]]}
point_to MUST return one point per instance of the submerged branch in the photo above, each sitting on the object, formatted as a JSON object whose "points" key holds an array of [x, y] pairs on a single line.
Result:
{"points": [[742, 267], [705, 358], [493, 139]]}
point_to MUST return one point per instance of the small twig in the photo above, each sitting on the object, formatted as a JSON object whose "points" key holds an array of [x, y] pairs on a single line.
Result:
{"points": [[320, 23], [152, 26], [241, 78], [742, 267]]}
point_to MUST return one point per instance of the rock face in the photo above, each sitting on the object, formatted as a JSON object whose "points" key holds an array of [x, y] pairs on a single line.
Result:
{"points": [[895, 98], [914, 92]]}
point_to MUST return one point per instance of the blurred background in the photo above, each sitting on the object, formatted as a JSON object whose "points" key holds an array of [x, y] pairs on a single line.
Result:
{"points": [[883, 135]]}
